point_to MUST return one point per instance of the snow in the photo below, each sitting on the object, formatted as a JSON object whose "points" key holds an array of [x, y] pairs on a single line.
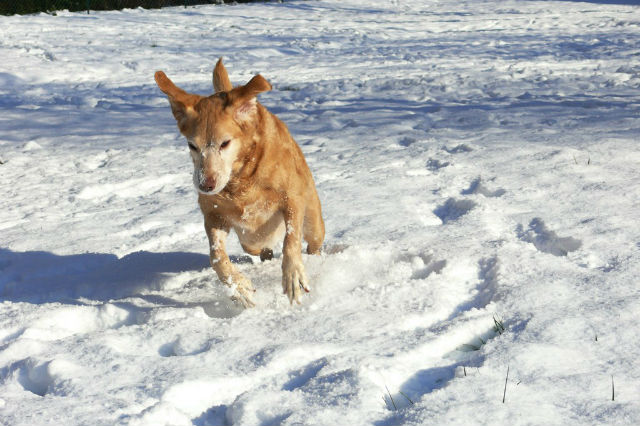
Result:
{"points": [[477, 164]]}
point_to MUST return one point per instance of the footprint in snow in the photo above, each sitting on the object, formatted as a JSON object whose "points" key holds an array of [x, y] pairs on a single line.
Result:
{"points": [[300, 377], [429, 267], [478, 187], [458, 149], [435, 165], [453, 209], [44, 378], [185, 347], [546, 240], [422, 264], [488, 274]]}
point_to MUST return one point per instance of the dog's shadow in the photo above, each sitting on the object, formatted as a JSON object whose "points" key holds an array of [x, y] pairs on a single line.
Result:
{"points": [[44, 277]]}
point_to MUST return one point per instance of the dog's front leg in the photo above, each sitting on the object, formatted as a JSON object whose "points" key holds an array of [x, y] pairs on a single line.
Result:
{"points": [[227, 273], [294, 279]]}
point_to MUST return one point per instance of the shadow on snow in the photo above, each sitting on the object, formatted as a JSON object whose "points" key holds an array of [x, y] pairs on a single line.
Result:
{"points": [[43, 277]]}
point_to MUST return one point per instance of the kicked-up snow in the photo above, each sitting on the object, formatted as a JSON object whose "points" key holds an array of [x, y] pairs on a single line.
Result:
{"points": [[478, 166]]}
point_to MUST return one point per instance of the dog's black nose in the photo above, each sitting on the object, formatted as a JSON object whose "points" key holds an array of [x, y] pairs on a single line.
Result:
{"points": [[208, 185]]}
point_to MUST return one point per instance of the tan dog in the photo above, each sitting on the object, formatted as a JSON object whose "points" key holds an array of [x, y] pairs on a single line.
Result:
{"points": [[251, 177]]}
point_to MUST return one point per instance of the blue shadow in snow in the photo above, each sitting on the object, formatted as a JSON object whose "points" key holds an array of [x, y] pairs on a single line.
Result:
{"points": [[423, 382], [41, 277]]}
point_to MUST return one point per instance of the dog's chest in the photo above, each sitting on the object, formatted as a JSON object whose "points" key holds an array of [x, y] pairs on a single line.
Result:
{"points": [[254, 215], [247, 211]]}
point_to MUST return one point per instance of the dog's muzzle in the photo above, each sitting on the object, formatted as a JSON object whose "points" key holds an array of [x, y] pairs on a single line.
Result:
{"points": [[207, 185]]}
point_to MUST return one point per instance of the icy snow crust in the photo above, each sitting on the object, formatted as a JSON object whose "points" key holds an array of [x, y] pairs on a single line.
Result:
{"points": [[475, 160]]}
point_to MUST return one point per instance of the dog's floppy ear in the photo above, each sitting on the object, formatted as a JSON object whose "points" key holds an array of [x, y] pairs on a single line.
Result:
{"points": [[221, 82], [243, 99], [182, 103]]}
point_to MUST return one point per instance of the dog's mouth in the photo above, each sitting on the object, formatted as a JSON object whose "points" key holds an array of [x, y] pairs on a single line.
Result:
{"points": [[209, 186], [207, 190]]}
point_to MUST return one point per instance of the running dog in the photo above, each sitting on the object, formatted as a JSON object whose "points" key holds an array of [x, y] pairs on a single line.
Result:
{"points": [[251, 177]]}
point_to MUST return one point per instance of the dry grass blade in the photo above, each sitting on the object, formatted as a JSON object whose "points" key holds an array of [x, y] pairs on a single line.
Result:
{"points": [[504, 394], [391, 398], [613, 390], [408, 399]]}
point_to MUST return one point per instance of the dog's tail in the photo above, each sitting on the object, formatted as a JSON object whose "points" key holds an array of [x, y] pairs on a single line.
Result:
{"points": [[221, 82]]}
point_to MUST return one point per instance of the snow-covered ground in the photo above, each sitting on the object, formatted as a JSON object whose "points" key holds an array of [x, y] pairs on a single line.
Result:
{"points": [[477, 161]]}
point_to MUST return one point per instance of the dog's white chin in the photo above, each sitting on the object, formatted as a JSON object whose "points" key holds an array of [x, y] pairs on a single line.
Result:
{"points": [[214, 192]]}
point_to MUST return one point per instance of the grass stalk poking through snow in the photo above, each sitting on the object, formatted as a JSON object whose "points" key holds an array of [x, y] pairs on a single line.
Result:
{"points": [[391, 398], [395, 407], [613, 390], [498, 325], [504, 394], [408, 399]]}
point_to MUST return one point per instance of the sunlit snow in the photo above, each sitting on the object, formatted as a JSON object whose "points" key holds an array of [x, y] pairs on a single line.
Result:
{"points": [[479, 171]]}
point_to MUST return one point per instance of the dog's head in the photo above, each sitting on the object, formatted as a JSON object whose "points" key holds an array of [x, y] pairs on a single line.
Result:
{"points": [[219, 128]]}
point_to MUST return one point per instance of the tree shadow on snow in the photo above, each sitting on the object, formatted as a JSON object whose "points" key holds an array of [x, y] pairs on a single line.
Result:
{"points": [[79, 111], [44, 277]]}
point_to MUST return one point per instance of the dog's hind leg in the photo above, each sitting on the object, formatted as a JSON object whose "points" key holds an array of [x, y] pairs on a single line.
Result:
{"points": [[266, 254]]}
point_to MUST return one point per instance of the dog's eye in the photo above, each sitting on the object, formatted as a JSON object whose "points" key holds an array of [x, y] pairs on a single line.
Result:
{"points": [[224, 144], [192, 147]]}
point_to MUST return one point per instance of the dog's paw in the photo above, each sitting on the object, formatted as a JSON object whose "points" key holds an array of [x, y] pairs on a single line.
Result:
{"points": [[243, 297], [294, 280], [243, 290]]}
